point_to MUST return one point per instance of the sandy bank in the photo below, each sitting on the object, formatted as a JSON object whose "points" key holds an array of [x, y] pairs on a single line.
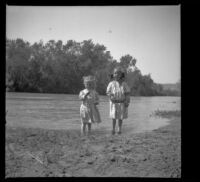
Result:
{"points": [[53, 153]]}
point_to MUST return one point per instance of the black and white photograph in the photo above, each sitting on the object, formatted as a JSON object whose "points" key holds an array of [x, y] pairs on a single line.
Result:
{"points": [[93, 91]]}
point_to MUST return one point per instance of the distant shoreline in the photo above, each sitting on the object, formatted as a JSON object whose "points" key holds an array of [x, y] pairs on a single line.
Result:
{"points": [[100, 94]]}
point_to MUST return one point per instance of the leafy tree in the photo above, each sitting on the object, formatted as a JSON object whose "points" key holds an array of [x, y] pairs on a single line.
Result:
{"points": [[55, 67], [17, 54], [127, 62]]}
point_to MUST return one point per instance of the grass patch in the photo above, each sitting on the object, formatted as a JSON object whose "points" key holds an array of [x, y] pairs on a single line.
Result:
{"points": [[167, 114]]}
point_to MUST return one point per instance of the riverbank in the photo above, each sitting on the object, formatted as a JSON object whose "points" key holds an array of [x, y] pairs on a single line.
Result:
{"points": [[52, 153]]}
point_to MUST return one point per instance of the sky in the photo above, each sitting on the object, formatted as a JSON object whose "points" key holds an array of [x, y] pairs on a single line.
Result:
{"points": [[150, 34]]}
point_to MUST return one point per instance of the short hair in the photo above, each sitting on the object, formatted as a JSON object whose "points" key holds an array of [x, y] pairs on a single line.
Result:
{"points": [[89, 78], [121, 77]]}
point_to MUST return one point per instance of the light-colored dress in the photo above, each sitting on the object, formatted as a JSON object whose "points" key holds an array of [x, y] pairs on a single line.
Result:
{"points": [[89, 112], [120, 93]]}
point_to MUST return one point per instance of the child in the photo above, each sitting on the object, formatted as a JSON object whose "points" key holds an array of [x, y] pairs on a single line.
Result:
{"points": [[119, 94], [88, 111]]}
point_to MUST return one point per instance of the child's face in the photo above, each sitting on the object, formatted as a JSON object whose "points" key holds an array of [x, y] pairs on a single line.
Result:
{"points": [[117, 74], [89, 85]]}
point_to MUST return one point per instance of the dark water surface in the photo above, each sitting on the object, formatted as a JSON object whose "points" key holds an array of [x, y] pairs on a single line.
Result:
{"points": [[61, 111]]}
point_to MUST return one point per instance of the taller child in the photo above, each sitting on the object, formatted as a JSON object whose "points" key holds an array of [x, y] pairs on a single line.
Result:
{"points": [[119, 95]]}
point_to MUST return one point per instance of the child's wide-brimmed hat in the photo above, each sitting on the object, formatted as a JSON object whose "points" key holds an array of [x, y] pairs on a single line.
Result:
{"points": [[89, 78]]}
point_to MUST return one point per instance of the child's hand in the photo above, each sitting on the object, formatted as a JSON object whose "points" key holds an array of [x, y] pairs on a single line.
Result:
{"points": [[126, 104], [112, 97], [86, 94]]}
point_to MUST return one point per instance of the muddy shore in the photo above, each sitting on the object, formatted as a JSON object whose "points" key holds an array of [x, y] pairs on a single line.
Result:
{"points": [[34, 152]]}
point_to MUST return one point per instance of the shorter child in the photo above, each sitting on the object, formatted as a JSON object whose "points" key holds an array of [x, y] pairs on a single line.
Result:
{"points": [[88, 111]]}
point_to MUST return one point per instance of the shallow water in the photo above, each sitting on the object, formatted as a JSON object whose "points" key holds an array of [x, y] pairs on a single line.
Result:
{"points": [[61, 111]]}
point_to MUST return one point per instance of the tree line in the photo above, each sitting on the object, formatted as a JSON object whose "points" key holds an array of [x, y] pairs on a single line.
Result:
{"points": [[55, 67]]}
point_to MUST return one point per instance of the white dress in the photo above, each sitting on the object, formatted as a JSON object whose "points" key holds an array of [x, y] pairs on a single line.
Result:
{"points": [[89, 112], [119, 91]]}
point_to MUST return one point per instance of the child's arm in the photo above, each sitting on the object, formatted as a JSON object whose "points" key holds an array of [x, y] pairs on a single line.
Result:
{"points": [[127, 99], [96, 99], [82, 95], [109, 91], [127, 94]]}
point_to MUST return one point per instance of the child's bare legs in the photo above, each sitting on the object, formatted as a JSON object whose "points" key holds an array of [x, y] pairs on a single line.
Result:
{"points": [[120, 126], [89, 127], [83, 128], [113, 125]]}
